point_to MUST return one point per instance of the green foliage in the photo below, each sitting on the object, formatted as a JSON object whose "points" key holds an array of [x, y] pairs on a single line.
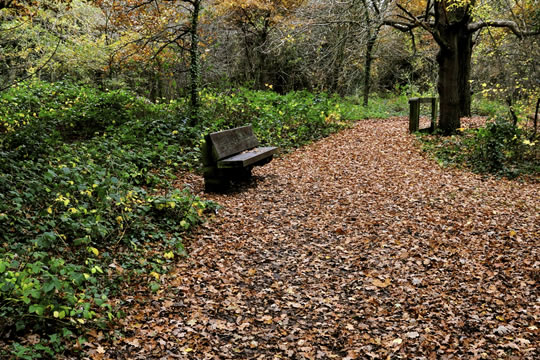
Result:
{"points": [[289, 120], [282, 120], [62, 38], [85, 182], [498, 148], [39, 115], [483, 106], [502, 148]]}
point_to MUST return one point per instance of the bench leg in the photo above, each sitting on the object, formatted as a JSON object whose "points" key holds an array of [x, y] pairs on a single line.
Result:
{"points": [[218, 180], [216, 184]]}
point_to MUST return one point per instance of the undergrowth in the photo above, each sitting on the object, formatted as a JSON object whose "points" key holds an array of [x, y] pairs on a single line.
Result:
{"points": [[86, 207], [498, 148]]}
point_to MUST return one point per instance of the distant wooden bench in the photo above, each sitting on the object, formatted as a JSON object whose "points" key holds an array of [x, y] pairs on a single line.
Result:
{"points": [[231, 154], [414, 113]]}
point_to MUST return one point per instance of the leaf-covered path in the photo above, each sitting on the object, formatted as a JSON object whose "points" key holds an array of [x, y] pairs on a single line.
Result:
{"points": [[356, 247]]}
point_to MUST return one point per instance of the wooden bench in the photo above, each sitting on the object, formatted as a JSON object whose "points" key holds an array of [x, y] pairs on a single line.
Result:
{"points": [[230, 155]]}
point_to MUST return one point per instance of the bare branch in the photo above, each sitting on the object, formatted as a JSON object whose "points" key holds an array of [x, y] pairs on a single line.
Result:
{"points": [[501, 24], [398, 25]]}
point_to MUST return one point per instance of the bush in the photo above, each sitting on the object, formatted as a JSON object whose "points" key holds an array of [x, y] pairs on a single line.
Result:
{"points": [[287, 121], [502, 148], [73, 203], [498, 148], [482, 106]]}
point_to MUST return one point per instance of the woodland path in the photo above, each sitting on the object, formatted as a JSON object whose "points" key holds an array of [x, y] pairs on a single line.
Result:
{"points": [[355, 247]]}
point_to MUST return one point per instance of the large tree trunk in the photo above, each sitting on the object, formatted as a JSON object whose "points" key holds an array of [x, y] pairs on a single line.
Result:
{"points": [[455, 41], [448, 83]]}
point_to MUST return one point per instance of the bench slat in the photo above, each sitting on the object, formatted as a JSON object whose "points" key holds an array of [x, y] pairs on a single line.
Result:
{"points": [[247, 158], [231, 142]]}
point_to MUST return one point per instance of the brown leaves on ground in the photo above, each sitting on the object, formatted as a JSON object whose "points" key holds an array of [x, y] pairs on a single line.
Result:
{"points": [[354, 247]]}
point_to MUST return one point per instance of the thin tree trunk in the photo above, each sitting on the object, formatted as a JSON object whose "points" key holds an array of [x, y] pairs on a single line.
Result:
{"points": [[536, 117], [195, 66], [367, 68], [262, 77], [335, 74]]}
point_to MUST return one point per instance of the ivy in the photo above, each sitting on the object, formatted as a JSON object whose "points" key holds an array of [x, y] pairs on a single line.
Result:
{"points": [[85, 182]]}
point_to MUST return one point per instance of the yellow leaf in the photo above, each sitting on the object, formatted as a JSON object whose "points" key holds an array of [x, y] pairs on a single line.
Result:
{"points": [[93, 250], [188, 350], [512, 233], [168, 255], [379, 283], [252, 272], [155, 274]]}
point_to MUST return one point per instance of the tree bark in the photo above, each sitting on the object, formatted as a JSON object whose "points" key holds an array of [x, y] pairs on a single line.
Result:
{"points": [[465, 45], [448, 83], [536, 117], [337, 65], [195, 66], [367, 67]]}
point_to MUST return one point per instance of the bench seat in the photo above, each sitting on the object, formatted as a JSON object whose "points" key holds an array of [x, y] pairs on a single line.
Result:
{"points": [[247, 158]]}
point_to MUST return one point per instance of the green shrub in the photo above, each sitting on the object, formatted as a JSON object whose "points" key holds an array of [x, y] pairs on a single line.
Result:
{"points": [[36, 116], [483, 106], [287, 121], [498, 148], [73, 203]]}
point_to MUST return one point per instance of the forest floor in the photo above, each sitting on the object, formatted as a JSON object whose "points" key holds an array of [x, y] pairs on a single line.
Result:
{"points": [[357, 246]]}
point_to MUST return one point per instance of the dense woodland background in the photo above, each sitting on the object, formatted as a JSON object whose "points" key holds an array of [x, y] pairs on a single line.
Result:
{"points": [[344, 47], [103, 103]]}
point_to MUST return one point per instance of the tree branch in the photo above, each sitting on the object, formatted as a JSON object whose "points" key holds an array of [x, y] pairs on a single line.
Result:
{"points": [[398, 25], [501, 24]]}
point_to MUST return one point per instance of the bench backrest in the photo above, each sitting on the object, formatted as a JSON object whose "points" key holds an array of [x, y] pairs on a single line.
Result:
{"points": [[230, 142]]}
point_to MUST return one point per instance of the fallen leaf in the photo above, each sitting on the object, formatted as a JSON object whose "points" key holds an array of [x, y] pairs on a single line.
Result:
{"points": [[381, 284], [412, 335]]}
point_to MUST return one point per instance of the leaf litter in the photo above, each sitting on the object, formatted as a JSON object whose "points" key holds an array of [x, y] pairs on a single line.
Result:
{"points": [[354, 247]]}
